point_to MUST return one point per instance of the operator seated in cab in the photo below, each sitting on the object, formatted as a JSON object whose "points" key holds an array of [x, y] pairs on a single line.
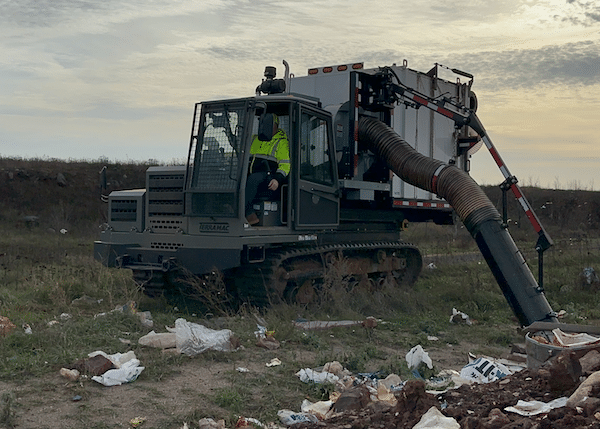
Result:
{"points": [[269, 164]]}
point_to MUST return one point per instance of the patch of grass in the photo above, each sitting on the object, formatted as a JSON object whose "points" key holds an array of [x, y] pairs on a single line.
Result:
{"points": [[7, 412], [230, 398]]}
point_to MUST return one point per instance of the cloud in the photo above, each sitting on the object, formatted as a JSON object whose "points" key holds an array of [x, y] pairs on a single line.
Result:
{"points": [[581, 12], [575, 63]]}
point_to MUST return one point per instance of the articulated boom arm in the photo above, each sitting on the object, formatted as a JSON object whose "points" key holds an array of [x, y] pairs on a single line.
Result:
{"points": [[463, 116]]}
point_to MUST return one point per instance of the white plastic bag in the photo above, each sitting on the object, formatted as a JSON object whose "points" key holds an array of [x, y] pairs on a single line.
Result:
{"points": [[192, 339], [416, 355], [128, 372]]}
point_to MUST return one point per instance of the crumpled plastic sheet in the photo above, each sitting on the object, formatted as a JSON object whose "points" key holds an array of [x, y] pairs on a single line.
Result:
{"points": [[193, 339], [289, 417], [531, 408], [459, 316], [590, 276], [128, 372], [434, 419], [320, 409], [308, 375], [118, 359]]}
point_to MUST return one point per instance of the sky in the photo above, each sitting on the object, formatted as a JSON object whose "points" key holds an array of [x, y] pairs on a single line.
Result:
{"points": [[118, 79]]}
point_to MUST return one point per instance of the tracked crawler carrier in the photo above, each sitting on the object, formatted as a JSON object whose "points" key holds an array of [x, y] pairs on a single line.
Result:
{"points": [[350, 190]]}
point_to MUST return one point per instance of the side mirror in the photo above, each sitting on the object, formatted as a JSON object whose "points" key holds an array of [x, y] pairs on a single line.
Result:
{"points": [[265, 127]]}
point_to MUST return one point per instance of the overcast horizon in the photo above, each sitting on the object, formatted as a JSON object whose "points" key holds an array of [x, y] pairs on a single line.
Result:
{"points": [[118, 79]]}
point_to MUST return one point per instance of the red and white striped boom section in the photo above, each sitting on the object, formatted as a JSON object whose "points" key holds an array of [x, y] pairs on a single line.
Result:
{"points": [[462, 116]]}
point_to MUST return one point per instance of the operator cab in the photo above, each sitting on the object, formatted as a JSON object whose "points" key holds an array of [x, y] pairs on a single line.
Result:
{"points": [[219, 160]]}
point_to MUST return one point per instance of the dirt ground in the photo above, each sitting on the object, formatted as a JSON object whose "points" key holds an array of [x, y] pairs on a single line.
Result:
{"points": [[55, 402], [482, 406]]}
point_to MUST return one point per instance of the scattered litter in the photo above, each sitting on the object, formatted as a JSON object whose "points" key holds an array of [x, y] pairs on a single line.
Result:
{"points": [[432, 338], [131, 308], [321, 409], [63, 231], [94, 365], [69, 374], [512, 365], [369, 322], [247, 422], [434, 419], [163, 340], [416, 356], [76, 398], [145, 319], [84, 300], [266, 338], [117, 359], [27, 329], [589, 276], [127, 373], [193, 339], [336, 368], [384, 394], [431, 266], [532, 408], [460, 317], [484, 370], [63, 317], [274, 362], [137, 421], [445, 380], [289, 417], [392, 382], [242, 369], [6, 326], [208, 423], [563, 339], [308, 375], [109, 370]]}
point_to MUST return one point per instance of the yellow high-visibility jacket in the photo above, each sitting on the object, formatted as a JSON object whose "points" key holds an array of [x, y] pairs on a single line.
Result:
{"points": [[275, 152]]}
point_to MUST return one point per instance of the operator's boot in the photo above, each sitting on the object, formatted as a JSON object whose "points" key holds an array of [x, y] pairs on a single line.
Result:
{"points": [[252, 218]]}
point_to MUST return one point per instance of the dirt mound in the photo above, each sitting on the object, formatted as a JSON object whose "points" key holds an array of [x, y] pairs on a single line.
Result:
{"points": [[482, 406], [57, 194]]}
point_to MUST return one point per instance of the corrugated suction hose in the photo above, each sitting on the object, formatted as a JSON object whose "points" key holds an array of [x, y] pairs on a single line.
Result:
{"points": [[474, 208]]}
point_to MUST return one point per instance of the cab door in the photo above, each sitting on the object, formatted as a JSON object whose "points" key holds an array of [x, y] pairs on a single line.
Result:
{"points": [[317, 196]]}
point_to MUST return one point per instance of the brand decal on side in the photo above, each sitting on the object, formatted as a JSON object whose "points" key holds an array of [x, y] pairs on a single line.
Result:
{"points": [[213, 227], [311, 237]]}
